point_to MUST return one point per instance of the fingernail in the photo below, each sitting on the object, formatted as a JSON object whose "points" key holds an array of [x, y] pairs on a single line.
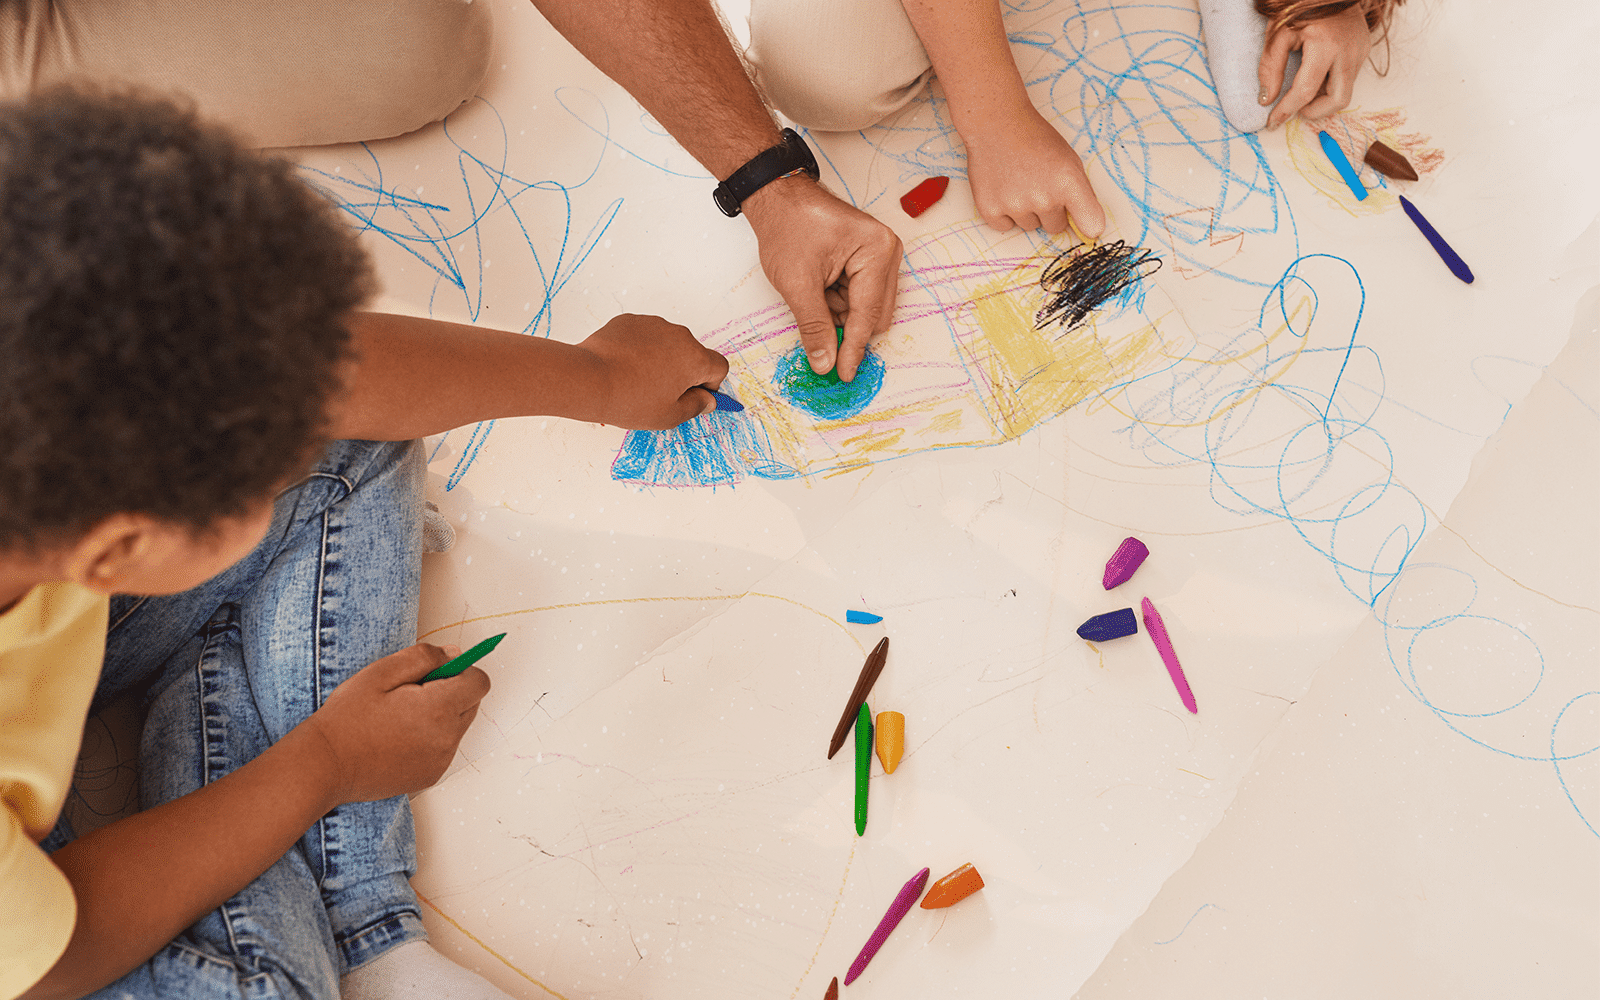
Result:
{"points": [[821, 359], [1262, 97]]}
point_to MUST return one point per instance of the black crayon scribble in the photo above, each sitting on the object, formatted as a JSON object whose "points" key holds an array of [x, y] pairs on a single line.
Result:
{"points": [[1080, 280]]}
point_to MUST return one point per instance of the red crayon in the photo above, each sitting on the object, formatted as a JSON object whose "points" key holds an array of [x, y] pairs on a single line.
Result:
{"points": [[923, 197]]}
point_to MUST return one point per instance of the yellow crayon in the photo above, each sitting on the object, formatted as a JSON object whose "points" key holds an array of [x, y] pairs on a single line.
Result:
{"points": [[891, 733]]}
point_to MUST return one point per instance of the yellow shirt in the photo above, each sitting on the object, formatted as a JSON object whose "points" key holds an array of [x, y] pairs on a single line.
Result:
{"points": [[52, 643]]}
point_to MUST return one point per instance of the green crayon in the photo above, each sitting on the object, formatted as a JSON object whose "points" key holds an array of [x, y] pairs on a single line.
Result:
{"points": [[863, 765], [465, 660]]}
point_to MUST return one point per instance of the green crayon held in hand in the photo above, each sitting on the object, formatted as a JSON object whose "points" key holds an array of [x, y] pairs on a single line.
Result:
{"points": [[465, 660]]}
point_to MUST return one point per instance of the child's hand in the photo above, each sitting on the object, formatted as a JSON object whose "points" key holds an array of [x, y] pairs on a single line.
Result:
{"points": [[652, 371], [1332, 50], [385, 734], [1023, 173]]}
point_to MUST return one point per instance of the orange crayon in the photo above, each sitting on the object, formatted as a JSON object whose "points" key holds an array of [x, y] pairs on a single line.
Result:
{"points": [[953, 888], [890, 734]]}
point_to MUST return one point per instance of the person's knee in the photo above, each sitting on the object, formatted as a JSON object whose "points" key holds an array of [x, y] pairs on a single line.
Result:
{"points": [[446, 52], [828, 102], [836, 68]]}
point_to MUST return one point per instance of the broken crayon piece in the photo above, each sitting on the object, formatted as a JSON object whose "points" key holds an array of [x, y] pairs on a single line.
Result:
{"points": [[1124, 562], [924, 196], [1158, 635], [862, 618], [889, 735], [1388, 162], [1111, 625], [953, 888], [863, 765], [902, 902], [833, 990], [869, 673]]}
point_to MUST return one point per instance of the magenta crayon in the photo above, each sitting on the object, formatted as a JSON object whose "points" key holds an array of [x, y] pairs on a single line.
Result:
{"points": [[1158, 635], [902, 903], [1124, 562]]}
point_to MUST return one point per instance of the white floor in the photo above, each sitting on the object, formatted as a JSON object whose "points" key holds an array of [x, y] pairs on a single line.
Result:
{"points": [[1366, 487]]}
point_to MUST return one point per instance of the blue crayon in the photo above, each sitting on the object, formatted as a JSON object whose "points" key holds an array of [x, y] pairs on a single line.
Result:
{"points": [[725, 402], [1111, 625], [862, 617], [1341, 164], [1452, 260]]}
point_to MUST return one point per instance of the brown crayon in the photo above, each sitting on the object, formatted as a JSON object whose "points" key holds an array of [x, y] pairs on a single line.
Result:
{"points": [[833, 990], [1388, 162], [869, 673]]}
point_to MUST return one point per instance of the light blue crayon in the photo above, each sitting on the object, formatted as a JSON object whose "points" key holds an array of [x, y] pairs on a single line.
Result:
{"points": [[862, 617], [1341, 164]]}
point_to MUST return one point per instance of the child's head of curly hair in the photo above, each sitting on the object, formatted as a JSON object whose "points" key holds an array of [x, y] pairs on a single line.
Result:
{"points": [[173, 316]]}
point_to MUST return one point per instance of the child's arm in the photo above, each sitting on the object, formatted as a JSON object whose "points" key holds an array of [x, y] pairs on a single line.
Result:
{"points": [[1332, 50], [140, 881], [1021, 170], [413, 377]]}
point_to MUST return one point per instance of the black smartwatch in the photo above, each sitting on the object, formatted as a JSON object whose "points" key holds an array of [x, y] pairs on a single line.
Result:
{"points": [[765, 167]]}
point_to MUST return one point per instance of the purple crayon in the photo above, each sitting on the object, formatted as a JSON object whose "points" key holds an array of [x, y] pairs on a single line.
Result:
{"points": [[1111, 625], [902, 903], [1124, 562]]}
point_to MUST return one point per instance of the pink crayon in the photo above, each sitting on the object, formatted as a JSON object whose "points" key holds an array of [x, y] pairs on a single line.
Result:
{"points": [[1124, 563], [1158, 635], [902, 903]]}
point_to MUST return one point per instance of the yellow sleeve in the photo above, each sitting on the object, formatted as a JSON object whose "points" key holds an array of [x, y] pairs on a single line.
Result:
{"points": [[37, 909]]}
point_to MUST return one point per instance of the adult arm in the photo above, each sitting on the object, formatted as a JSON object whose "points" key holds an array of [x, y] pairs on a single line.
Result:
{"points": [[141, 880], [1022, 171], [675, 58]]}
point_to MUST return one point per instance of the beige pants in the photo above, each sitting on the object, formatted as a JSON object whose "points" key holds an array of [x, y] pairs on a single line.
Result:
{"points": [[836, 65], [278, 72]]}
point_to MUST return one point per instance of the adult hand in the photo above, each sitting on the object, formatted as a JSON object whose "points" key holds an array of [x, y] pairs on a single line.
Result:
{"points": [[833, 264], [1332, 50], [384, 734], [654, 373], [1024, 173]]}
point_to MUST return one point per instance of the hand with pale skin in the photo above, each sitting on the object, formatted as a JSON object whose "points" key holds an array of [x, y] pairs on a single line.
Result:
{"points": [[1022, 171], [1332, 50]]}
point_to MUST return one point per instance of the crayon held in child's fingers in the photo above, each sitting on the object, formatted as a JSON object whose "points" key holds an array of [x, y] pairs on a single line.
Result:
{"points": [[465, 660]]}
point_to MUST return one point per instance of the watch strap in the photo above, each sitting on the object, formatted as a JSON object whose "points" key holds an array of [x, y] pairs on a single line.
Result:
{"points": [[789, 156]]}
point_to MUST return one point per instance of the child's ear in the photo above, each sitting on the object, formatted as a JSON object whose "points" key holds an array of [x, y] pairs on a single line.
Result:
{"points": [[113, 551]]}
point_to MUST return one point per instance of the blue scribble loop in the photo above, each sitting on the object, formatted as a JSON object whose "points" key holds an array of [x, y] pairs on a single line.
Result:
{"points": [[823, 397]]}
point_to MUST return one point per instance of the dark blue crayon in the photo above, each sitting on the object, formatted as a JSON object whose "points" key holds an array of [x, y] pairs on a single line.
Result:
{"points": [[725, 402], [1452, 260], [1111, 625]]}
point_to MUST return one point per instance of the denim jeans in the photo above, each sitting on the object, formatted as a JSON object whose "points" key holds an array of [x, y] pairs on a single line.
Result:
{"points": [[232, 666]]}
